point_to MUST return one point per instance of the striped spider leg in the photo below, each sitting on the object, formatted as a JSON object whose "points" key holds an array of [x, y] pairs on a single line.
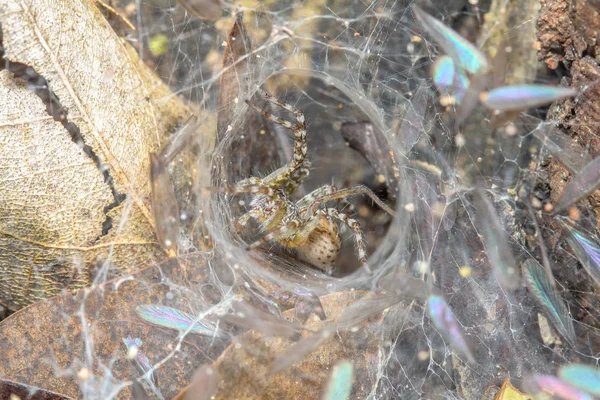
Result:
{"points": [[285, 173], [301, 225], [314, 234]]}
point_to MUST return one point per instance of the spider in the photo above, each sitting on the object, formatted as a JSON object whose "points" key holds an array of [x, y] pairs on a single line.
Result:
{"points": [[300, 225]]}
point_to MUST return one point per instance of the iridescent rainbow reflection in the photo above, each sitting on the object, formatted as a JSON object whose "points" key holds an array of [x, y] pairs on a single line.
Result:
{"points": [[443, 319], [140, 360], [443, 73], [581, 376], [586, 250], [339, 384], [549, 299], [551, 385], [582, 184], [465, 55], [448, 79], [520, 97], [172, 318]]}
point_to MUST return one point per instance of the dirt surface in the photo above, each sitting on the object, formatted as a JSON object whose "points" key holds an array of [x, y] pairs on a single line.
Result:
{"points": [[568, 38], [568, 43]]}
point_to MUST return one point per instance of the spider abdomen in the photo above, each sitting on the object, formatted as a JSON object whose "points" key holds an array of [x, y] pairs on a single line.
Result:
{"points": [[322, 246]]}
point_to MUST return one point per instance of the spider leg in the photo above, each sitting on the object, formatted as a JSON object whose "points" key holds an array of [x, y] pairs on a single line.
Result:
{"points": [[268, 213], [276, 234], [252, 181], [318, 193], [244, 219], [284, 173], [351, 192], [297, 178], [347, 207], [358, 234], [260, 189]]}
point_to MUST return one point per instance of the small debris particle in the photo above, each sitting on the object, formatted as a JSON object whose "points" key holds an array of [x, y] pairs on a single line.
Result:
{"points": [[511, 129], [446, 101], [465, 271], [159, 44], [132, 352], [364, 211], [83, 374], [574, 213]]}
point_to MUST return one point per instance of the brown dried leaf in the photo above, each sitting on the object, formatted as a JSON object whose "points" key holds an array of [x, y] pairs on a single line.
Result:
{"points": [[244, 369], [204, 385], [371, 144], [8, 389], [248, 317], [241, 132], [164, 205], [64, 182], [100, 317], [203, 9], [509, 392]]}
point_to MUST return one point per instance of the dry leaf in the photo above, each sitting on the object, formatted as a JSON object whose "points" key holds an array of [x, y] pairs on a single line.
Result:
{"points": [[245, 367], [8, 389], [164, 205], [101, 317], [203, 9], [242, 132], [509, 392], [203, 386], [74, 193]]}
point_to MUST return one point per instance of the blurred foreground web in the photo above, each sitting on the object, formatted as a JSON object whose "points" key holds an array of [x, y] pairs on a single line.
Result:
{"points": [[483, 282]]}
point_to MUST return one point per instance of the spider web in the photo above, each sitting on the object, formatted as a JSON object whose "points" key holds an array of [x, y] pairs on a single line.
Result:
{"points": [[353, 67]]}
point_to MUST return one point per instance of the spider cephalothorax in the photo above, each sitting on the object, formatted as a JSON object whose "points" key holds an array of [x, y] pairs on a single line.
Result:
{"points": [[300, 225]]}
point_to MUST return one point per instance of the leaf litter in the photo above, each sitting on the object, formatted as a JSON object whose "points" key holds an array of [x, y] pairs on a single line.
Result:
{"points": [[382, 334]]}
